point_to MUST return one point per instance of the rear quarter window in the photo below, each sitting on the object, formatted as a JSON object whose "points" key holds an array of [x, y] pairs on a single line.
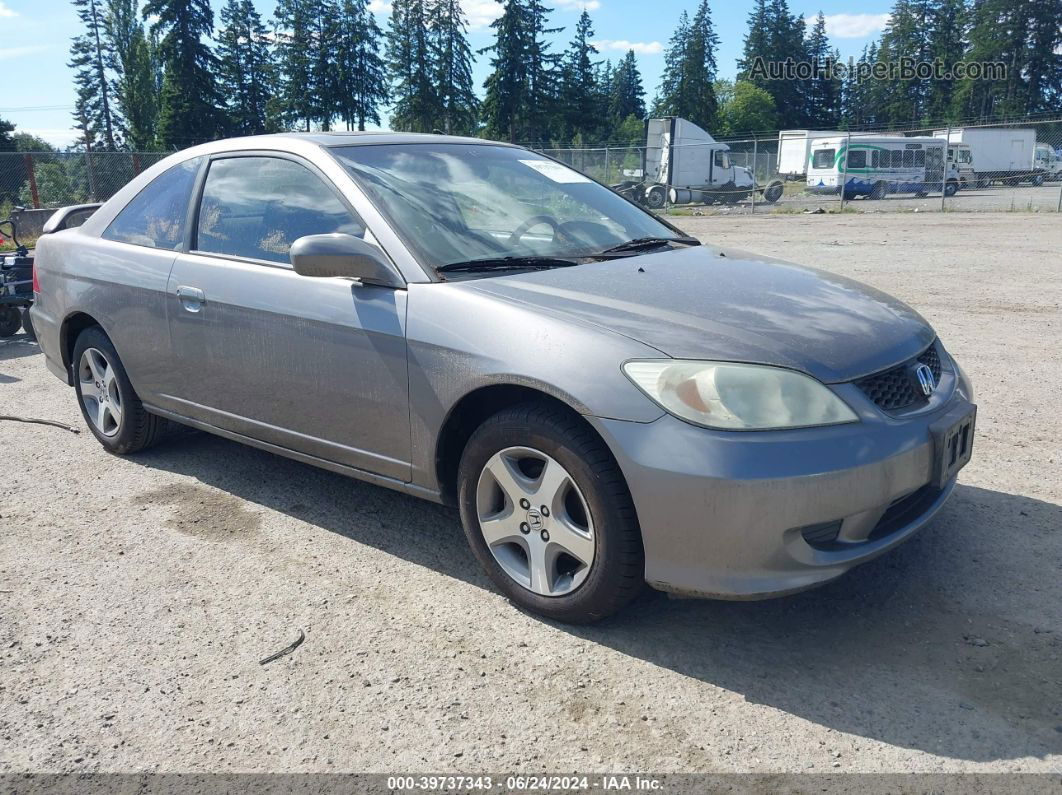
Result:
{"points": [[156, 216], [824, 158]]}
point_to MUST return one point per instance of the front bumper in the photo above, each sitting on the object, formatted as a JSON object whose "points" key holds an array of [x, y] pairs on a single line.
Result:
{"points": [[728, 514]]}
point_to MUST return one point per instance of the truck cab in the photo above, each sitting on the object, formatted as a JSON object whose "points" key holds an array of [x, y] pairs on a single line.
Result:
{"points": [[1048, 161], [961, 165]]}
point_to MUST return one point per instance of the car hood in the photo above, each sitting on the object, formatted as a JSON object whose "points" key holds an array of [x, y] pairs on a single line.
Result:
{"points": [[720, 304]]}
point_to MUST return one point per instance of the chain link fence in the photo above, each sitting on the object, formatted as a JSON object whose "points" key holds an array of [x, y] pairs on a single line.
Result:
{"points": [[1001, 168], [1014, 167]]}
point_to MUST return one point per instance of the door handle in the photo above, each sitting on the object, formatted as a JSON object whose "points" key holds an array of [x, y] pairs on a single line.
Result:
{"points": [[191, 298]]}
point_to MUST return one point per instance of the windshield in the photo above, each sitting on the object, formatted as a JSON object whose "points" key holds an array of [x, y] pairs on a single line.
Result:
{"points": [[459, 202]]}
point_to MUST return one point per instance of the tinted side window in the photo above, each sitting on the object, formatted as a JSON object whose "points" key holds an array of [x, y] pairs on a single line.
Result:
{"points": [[857, 158], [256, 207], [897, 158], [156, 216]]}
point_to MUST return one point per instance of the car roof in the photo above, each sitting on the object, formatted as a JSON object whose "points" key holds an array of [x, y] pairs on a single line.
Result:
{"points": [[345, 138]]}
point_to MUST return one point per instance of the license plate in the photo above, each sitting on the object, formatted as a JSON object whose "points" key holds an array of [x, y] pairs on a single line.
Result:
{"points": [[953, 436]]}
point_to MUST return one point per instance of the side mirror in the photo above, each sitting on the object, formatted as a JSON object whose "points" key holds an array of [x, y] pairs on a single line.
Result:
{"points": [[342, 255]]}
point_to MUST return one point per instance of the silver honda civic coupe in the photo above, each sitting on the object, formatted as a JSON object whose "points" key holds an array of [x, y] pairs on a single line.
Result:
{"points": [[607, 402]]}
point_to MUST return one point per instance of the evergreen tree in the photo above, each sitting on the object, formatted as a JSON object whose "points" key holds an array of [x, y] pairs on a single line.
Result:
{"points": [[822, 97], [416, 104], [452, 60], [687, 87], [674, 63], [296, 47], [246, 73], [903, 101], [520, 97], [776, 35], [947, 45], [137, 71], [626, 97], [188, 105], [581, 107], [89, 56], [361, 78]]}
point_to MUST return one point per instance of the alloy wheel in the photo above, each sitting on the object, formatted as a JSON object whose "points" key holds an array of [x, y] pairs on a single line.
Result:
{"points": [[535, 521], [99, 392]]}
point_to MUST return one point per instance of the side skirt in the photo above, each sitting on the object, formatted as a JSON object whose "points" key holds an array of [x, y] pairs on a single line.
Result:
{"points": [[351, 472]]}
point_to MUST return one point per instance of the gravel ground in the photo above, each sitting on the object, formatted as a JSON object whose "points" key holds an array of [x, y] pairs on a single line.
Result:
{"points": [[137, 595]]}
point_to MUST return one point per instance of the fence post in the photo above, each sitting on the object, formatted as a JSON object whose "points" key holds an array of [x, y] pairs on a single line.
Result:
{"points": [[944, 176], [755, 162], [1059, 209], [844, 176], [607, 180], [34, 194], [136, 164]]}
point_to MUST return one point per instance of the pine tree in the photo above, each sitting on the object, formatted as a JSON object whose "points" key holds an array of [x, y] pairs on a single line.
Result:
{"points": [[687, 86], [188, 105], [89, 56], [776, 35], [626, 97], [246, 73], [134, 62], [905, 36], [822, 97], [520, 93], [947, 45], [296, 46], [452, 59], [361, 72], [581, 108], [412, 68]]}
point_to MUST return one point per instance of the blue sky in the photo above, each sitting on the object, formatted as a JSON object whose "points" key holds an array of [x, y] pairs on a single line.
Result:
{"points": [[38, 96]]}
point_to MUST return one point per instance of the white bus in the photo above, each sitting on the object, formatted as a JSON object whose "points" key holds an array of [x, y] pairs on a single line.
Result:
{"points": [[879, 165]]}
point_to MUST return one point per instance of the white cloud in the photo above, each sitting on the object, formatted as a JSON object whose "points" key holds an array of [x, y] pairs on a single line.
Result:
{"points": [[7, 12], [380, 6], [7, 53], [577, 5], [622, 45], [855, 26], [481, 13]]}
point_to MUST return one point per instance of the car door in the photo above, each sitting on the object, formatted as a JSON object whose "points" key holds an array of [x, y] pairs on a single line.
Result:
{"points": [[316, 365]]}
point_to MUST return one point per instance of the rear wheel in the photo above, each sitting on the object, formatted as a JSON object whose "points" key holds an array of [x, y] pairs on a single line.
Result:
{"points": [[109, 404], [880, 190], [10, 321], [547, 513], [27, 324], [951, 188], [773, 192]]}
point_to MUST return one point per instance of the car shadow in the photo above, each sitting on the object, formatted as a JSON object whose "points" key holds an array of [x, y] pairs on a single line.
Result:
{"points": [[17, 347], [910, 649]]}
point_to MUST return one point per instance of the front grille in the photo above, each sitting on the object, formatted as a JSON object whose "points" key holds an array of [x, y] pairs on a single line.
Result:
{"points": [[895, 389]]}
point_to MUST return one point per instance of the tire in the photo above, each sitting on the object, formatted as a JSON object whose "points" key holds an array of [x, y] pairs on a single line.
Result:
{"points": [[1038, 180], [595, 498], [879, 191], [773, 192], [27, 324], [654, 198], [951, 188], [134, 429], [10, 321]]}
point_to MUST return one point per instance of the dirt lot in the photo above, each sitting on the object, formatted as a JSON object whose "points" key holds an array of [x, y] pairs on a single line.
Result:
{"points": [[138, 595]]}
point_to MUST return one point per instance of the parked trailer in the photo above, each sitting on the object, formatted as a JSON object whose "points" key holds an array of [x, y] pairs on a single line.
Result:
{"points": [[877, 166], [794, 151], [1000, 154], [685, 164]]}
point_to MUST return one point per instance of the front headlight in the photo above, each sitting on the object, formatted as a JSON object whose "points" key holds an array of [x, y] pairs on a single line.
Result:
{"points": [[745, 397]]}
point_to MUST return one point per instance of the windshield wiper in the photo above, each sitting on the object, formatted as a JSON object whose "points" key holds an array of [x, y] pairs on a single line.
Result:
{"points": [[650, 242], [505, 263]]}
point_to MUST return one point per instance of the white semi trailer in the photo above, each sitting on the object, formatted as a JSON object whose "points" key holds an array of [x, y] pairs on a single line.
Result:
{"points": [[1000, 154], [684, 164]]}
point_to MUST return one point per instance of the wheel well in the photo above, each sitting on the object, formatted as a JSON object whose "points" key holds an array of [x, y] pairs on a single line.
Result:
{"points": [[467, 415], [68, 334]]}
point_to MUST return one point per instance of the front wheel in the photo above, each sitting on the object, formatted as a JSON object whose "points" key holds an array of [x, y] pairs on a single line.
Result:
{"points": [[547, 513], [951, 188], [655, 198], [109, 404]]}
